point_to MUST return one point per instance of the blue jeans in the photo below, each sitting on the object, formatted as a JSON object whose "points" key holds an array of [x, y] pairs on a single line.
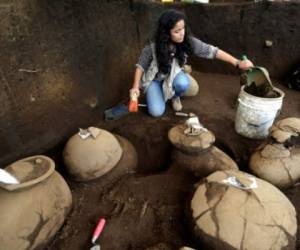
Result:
{"points": [[155, 97]]}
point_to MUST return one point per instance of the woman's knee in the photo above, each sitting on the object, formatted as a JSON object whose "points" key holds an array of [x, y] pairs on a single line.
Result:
{"points": [[156, 110], [155, 100], [181, 83]]}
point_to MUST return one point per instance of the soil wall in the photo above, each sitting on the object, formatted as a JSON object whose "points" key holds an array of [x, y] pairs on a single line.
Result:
{"points": [[64, 62]]}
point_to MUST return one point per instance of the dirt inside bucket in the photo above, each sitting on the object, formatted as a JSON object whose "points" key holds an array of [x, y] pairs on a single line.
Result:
{"points": [[258, 83], [262, 91]]}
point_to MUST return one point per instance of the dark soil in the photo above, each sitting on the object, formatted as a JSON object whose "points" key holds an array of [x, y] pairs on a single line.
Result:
{"points": [[145, 208]]}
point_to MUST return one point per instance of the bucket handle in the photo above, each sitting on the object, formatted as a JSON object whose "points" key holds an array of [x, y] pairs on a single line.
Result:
{"points": [[258, 125]]}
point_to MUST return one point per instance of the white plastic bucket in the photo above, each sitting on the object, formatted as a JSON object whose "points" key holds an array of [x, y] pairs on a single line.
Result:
{"points": [[255, 115]]}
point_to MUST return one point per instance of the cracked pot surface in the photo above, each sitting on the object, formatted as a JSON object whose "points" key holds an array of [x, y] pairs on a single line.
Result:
{"points": [[228, 217], [277, 164], [284, 129]]}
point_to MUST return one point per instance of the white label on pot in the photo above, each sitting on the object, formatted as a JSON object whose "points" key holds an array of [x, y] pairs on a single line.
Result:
{"points": [[233, 181]]}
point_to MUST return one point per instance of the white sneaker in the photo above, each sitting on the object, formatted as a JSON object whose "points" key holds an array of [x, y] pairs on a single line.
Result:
{"points": [[176, 103]]}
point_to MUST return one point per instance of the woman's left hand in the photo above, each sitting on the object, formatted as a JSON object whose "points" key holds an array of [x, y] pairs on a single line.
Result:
{"points": [[245, 64]]}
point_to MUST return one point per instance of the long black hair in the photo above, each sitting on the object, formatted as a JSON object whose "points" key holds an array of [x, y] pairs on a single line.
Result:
{"points": [[162, 37]]}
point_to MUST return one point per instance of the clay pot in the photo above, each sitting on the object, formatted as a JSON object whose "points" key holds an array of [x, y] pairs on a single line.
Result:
{"points": [[226, 216], [128, 162], [277, 160], [194, 86], [187, 69], [90, 158], [190, 144], [284, 129], [205, 162], [197, 153], [33, 211], [276, 164]]}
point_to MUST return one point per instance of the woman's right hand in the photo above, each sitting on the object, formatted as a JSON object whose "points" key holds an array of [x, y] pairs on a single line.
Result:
{"points": [[134, 92], [245, 64]]}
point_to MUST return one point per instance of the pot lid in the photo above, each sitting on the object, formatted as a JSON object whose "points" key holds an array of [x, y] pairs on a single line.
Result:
{"points": [[190, 143]]}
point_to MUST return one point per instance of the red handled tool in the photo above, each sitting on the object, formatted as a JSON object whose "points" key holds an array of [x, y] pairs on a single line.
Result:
{"points": [[133, 103], [97, 233]]}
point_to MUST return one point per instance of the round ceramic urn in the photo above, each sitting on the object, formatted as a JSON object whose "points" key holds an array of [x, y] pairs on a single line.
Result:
{"points": [[32, 211], [197, 153], [88, 158]]}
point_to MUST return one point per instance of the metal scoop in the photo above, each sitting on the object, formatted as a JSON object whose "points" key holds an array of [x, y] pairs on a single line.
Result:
{"points": [[97, 233]]}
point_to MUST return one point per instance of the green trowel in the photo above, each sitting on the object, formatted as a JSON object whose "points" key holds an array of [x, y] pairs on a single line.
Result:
{"points": [[257, 82]]}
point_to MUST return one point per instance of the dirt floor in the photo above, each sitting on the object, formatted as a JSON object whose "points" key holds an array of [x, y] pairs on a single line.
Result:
{"points": [[146, 207]]}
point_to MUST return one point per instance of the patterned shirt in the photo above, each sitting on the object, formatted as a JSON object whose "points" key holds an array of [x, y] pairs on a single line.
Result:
{"points": [[199, 49]]}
